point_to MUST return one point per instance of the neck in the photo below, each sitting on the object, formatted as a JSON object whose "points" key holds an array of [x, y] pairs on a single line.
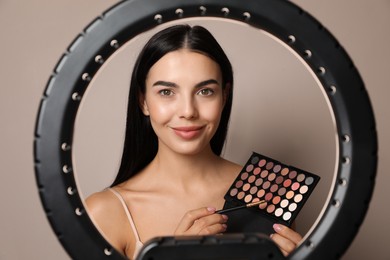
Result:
{"points": [[182, 171]]}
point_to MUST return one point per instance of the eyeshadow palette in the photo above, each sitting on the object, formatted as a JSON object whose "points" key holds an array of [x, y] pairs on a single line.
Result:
{"points": [[285, 189]]}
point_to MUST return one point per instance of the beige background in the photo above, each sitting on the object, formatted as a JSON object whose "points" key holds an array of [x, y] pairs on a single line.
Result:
{"points": [[34, 34]]}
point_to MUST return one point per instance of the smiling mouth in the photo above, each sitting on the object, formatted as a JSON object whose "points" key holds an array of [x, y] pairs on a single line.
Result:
{"points": [[188, 132]]}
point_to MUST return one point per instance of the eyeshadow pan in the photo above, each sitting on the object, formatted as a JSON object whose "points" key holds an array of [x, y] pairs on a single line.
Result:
{"points": [[271, 177], [287, 183], [270, 208], [241, 195], [239, 184], [276, 200], [257, 170], [260, 193], [263, 205], [266, 185], [244, 176], [262, 162], [248, 198], [282, 191], [284, 203], [253, 190], [233, 192], [301, 177], [249, 168], [279, 180], [269, 165], [258, 182], [274, 188], [292, 207], [309, 180], [277, 168], [290, 194], [264, 174], [287, 216], [268, 196], [251, 179], [278, 212], [295, 186], [284, 171], [303, 189], [292, 175], [298, 198], [255, 159], [285, 188]]}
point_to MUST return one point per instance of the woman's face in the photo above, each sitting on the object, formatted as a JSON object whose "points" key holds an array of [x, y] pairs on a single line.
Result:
{"points": [[184, 99]]}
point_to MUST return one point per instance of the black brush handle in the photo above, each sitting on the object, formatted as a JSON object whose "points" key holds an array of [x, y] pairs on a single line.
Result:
{"points": [[230, 209]]}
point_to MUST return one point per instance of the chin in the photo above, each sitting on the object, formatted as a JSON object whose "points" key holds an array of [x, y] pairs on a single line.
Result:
{"points": [[191, 149]]}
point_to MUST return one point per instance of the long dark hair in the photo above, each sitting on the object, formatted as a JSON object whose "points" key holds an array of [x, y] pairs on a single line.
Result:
{"points": [[141, 144]]}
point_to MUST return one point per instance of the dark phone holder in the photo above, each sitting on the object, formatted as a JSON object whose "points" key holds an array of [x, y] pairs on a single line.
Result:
{"points": [[240, 246]]}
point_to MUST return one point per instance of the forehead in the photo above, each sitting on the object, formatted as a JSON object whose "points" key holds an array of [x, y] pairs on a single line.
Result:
{"points": [[185, 62]]}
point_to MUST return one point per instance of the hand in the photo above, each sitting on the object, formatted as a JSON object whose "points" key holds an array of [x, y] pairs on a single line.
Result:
{"points": [[203, 221], [286, 238]]}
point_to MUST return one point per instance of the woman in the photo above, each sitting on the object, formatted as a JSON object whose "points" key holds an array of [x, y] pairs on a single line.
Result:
{"points": [[172, 179]]}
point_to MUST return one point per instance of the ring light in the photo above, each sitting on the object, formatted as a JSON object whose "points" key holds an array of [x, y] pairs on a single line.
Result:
{"points": [[357, 144]]}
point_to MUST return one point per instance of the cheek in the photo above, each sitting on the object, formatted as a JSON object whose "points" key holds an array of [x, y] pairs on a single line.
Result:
{"points": [[159, 112], [213, 112]]}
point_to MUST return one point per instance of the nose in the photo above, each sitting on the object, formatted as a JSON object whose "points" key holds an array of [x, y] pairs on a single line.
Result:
{"points": [[188, 108]]}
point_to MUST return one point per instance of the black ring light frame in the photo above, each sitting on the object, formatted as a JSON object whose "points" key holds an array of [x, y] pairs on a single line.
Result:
{"points": [[322, 53]]}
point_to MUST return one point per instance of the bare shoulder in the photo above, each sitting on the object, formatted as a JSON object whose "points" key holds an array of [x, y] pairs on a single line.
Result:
{"points": [[101, 203], [107, 213]]}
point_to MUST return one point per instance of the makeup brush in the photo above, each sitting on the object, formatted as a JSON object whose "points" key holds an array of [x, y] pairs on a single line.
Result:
{"points": [[252, 204]]}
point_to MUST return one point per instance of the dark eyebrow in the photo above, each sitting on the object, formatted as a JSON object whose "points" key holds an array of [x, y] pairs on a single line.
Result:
{"points": [[206, 82], [174, 85], [164, 83]]}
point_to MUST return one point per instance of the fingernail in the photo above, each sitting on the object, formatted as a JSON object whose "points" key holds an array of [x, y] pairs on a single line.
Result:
{"points": [[224, 226], [277, 227], [225, 217], [211, 209], [271, 235]]}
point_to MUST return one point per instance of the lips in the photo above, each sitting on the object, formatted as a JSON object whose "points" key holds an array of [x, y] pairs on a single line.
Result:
{"points": [[187, 132]]}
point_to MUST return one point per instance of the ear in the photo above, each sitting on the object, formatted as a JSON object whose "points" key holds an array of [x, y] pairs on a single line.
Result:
{"points": [[143, 105]]}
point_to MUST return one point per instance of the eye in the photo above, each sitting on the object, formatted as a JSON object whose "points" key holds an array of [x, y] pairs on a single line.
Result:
{"points": [[166, 92], [206, 92]]}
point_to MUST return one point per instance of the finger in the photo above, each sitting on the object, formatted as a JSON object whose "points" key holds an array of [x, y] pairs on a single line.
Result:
{"points": [[207, 221], [213, 229], [286, 238], [191, 216], [285, 245], [287, 233]]}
